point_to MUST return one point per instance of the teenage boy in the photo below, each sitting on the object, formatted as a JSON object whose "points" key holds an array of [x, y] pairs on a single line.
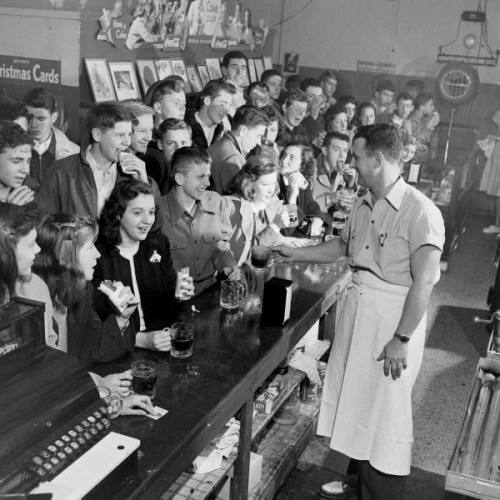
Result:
{"points": [[229, 153], [329, 82], [383, 99], [404, 107], [168, 99], [81, 183], [196, 221], [294, 112], [172, 135], [314, 122], [211, 120], [16, 186], [50, 143], [331, 173], [424, 118], [235, 71]]}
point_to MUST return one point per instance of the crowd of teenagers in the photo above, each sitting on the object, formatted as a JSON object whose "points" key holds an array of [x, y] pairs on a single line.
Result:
{"points": [[162, 198]]}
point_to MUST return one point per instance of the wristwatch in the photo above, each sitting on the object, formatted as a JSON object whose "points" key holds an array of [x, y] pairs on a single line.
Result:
{"points": [[402, 338]]}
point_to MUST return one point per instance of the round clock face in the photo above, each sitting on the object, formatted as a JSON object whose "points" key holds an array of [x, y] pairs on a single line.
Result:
{"points": [[457, 84]]}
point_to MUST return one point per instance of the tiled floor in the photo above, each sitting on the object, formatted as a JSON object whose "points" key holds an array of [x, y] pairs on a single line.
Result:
{"points": [[440, 397]]}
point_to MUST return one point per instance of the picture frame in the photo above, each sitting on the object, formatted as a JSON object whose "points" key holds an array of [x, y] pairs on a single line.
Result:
{"points": [[203, 72], [99, 77], [179, 69], [268, 62], [194, 79], [259, 67], [164, 68], [148, 75], [124, 80], [251, 71], [213, 67]]}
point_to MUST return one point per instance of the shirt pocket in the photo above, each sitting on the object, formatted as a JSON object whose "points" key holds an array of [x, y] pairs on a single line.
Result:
{"points": [[394, 254], [178, 245]]}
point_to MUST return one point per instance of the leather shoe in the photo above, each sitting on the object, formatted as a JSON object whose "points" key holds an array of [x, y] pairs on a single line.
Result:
{"points": [[337, 489]]}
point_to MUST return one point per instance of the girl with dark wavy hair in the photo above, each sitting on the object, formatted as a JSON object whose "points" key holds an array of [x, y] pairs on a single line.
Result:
{"points": [[141, 260]]}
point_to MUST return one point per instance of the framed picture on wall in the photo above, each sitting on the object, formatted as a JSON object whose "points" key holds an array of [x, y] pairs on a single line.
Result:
{"points": [[259, 67], [213, 67], [100, 81], [203, 72], [251, 71], [179, 69], [124, 80], [268, 62], [194, 79], [147, 73], [164, 68]]}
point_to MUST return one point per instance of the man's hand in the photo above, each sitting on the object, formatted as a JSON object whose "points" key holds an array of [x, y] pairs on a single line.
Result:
{"points": [[20, 195], [133, 166], [286, 251], [232, 273], [395, 355], [158, 340]]}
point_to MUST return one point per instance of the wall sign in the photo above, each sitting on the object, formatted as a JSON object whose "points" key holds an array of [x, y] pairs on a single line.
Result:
{"points": [[376, 67], [28, 70]]}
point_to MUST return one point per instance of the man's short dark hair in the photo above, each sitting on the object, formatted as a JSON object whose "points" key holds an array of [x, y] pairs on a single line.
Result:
{"points": [[172, 124], [404, 96], [186, 157], [268, 74], [105, 115], [41, 98], [309, 82], [249, 116], [422, 99], [214, 87], [335, 135], [383, 138], [13, 135], [11, 109], [327, 75], [385, 84], [170, 85], [296, 95], [233, 54]]}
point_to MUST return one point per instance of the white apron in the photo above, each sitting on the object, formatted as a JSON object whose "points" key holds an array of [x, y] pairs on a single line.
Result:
{"points": [[366, 414]]}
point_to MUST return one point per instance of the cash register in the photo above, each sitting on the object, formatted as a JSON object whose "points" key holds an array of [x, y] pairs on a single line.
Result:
{"points": [[55, 432]]}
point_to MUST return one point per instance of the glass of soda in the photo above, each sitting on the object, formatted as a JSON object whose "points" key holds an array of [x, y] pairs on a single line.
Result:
{"points": [[181, 340], [143, 377]]}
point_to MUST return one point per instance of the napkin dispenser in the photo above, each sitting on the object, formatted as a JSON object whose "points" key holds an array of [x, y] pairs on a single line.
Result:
{"points": [[276, 301]]}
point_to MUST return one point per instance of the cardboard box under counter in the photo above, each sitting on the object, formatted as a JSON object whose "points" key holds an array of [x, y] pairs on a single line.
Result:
{"points": [[276, 301]]}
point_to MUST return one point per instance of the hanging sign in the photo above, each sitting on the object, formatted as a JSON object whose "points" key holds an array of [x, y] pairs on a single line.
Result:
{"points": [[28, 70]]}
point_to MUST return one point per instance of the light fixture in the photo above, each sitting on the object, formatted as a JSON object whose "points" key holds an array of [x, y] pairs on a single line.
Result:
{"points": [[476, 37], [470, 41]]}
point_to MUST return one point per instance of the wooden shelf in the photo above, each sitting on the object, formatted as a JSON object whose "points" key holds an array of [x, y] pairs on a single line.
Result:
{"points": [[198, 486], [281, 448]]}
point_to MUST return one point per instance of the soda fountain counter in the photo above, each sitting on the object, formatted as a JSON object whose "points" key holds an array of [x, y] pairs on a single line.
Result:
{"points": [[233, 355]]}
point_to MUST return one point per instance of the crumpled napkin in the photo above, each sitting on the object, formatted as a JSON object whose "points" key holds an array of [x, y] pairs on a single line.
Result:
{"points": [[307, 360], [222, 449]]}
